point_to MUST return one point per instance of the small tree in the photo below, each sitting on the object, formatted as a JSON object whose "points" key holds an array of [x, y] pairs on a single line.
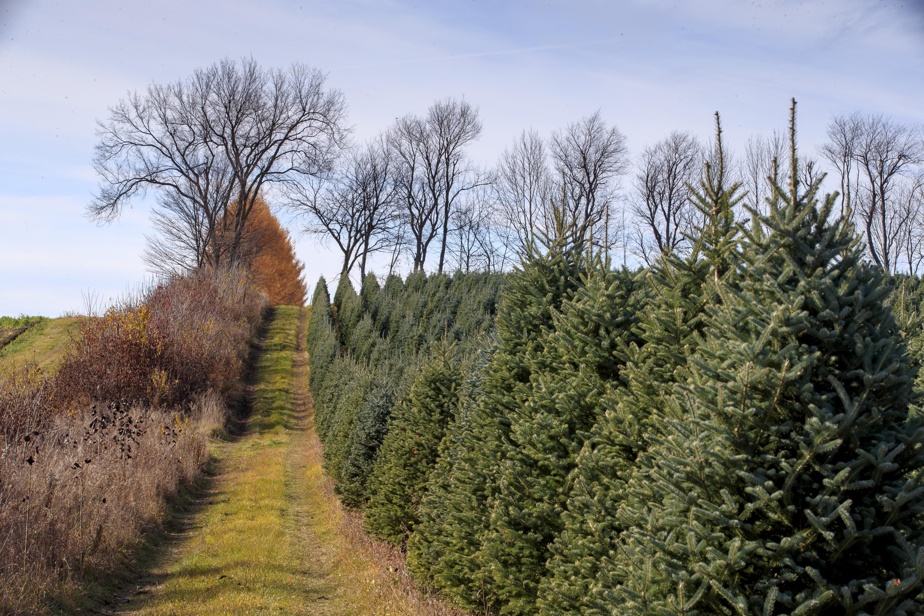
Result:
{"points": [[445, 550], [581, 363], [409, 451]]}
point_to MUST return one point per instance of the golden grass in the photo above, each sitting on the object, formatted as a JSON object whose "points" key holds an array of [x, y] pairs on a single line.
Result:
{"points": [[43, 344], [274, 539]]}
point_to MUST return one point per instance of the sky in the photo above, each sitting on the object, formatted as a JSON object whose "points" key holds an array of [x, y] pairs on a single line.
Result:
{"points": [[648, 66]]}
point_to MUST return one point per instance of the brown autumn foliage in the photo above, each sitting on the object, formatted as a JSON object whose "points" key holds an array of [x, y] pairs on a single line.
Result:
{"points": [[268, 253]]}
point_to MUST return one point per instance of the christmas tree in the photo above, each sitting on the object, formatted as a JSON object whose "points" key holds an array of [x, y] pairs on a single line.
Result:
{"points": [[580, 363], [409, 451], [678, 289], [446, 549], [783, 476]]}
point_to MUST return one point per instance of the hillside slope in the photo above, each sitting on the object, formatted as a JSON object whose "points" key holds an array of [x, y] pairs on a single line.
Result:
{"points": [[42, 343]]}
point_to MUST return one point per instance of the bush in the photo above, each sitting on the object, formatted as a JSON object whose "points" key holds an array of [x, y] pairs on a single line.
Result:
{"points": [[181, 339]]}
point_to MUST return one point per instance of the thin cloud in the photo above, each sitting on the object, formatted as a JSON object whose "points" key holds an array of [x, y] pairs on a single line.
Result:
{"points": [[480, 54]]}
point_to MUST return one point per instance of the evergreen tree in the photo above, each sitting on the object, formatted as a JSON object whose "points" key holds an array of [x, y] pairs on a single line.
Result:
{"points": [[445, 550], [346, 396], [391, 292], [321, 339], [370, 427], [409, 451], [907, 303], [582, 360], [371, 297], [348, 310], [678, 289], [784, 475]]}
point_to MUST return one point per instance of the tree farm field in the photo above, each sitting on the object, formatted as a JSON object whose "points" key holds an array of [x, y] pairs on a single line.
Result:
{"points": [[510, 419]]}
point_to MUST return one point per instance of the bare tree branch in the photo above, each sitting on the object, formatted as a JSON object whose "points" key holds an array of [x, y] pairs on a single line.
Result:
{"points": [[208, 146], [662, 208], [588, 159], [356, 206], [524, 188]]}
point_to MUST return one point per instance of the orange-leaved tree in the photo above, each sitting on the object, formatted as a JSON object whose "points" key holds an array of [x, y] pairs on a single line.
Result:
{"points": [[266, 249]]}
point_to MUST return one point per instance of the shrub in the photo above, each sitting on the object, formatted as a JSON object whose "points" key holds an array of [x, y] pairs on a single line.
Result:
{"points": [[181, 339]]}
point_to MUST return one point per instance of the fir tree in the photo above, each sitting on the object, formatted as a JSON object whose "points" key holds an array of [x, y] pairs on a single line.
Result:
{"points": [[445, 550], [409, 451], [348, 310], [346, 396], [783, 477], [678, 290], [370, 427], [321, 341], [582, 360]]}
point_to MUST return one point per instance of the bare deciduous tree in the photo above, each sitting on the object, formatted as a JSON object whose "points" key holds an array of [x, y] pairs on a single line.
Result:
{"points": [[420, 214], [662, 208], [910, 204], [882, 152], [766, 158], [588, 159], [523, 188], [475, 241], [840, 150], [211, 141], [182, 235], [435, 171], [760, 152], [356, 205], [886, 150]]}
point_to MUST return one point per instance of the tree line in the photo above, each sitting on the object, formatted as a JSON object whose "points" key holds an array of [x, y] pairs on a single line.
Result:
{"points": [[213, 144]]}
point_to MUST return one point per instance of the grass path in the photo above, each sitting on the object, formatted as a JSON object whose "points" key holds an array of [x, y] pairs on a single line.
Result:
{"points": [[270, 538], [243, 555]]}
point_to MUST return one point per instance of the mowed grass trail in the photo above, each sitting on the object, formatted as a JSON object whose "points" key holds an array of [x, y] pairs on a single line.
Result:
{"points": [[246, 554], [270, 538]]}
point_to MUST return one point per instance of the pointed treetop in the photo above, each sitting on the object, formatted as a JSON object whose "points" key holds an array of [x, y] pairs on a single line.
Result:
{"points": [[793, 158]]}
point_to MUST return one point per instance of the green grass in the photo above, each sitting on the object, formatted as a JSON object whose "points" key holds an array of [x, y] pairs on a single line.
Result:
{"points": [[43, 343], [20, 321]]}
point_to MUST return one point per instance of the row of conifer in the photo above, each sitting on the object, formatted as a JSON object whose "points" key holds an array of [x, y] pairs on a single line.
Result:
{"points": [[730, 431]]}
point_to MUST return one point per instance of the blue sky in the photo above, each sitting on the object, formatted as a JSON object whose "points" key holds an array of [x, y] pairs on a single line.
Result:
{"points": [[650, 67]]}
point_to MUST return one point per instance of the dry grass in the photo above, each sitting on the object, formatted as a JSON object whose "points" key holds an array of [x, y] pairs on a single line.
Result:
{"points": [[175, 342], [79, 492], [93, 455]]}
